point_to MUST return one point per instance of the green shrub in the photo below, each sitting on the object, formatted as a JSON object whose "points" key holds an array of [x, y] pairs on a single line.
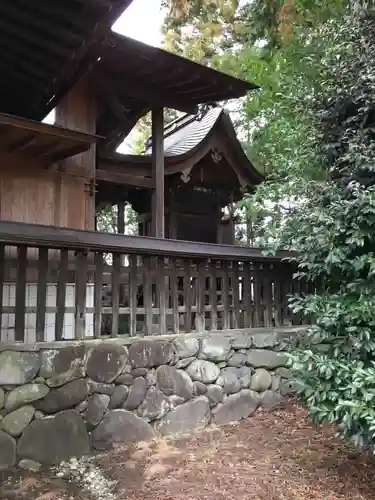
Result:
{"points": [[335, 236]]}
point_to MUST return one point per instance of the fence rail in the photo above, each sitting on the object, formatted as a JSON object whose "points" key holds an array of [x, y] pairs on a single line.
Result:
{"points": [[63, 284]]}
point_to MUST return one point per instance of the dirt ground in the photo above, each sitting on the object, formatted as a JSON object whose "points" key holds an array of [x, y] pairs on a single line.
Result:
{"points": [[275, 456]]}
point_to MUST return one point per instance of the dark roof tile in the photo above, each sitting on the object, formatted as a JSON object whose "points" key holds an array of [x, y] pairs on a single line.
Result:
{"points": [[189, 136]]}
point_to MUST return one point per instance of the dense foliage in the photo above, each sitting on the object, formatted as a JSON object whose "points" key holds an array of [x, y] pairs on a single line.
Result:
{"points": [[334, 233], [312, 130], [268, 43]]}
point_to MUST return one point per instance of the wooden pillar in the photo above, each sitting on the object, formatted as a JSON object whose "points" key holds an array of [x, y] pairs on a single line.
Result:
{"points": [[77, 111], [121, 230], [158, 173], [121, 217], [249, 228], [232, 209]]}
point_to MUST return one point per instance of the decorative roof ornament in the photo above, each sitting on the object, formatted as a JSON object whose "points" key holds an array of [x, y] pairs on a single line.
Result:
{"points": [[216, 156], [204, 109], [185, 175]]}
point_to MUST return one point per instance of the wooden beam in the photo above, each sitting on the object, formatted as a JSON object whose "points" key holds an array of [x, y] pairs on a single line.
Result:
{"points": [[158, 173], [100, 3], [150, 94], [117, 176], [78, 111], [35, 235], [45, 128], [127, 166]]}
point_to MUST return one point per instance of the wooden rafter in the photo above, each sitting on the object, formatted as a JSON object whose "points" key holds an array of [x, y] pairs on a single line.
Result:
{"points": [[23, 18], [29, 36], [31, 83], [149, 93], [17, 52], [115, 134], [111, 96], [22, 144], [27, 67]]}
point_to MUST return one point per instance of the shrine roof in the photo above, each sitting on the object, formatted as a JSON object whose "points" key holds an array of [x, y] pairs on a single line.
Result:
{"points": [[186, 133], [186, 142], [132, 78], [46, 46]]}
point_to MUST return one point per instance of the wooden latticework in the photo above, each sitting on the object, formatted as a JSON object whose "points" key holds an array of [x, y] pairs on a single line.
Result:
{"points": [[147, 287]]}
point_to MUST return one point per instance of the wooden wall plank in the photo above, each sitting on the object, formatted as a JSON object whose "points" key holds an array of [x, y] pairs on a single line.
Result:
{"points": [[41, 294], [268, 276], [78, 111], [80, 294], [147, 293], [213, 293], [61, 294], [247, 295], [225, 292], [98, 293], [187, 295], [174, 296], [133, 285], [31, 193], [2, 276], [116, 270], [236, 294], [201, 283], [20, 293], [161, 283], [258, 302]]}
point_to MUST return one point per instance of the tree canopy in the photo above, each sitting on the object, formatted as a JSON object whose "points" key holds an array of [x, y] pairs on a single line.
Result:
{"points": [[312, 130]]}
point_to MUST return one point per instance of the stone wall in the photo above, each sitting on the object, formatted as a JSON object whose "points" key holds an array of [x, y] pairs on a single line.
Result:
{"points": [[67, 400]]}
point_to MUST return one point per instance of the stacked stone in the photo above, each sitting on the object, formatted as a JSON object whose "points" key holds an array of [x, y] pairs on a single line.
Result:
{"points": [[60, 403]]}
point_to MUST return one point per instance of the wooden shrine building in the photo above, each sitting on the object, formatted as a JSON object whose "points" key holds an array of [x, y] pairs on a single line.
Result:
{"points": [[205, 169], [62, 55], [126, 80]]}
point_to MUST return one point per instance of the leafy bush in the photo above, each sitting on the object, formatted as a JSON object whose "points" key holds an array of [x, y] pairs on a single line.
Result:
{"points": [[335, 371], [335, 237]]}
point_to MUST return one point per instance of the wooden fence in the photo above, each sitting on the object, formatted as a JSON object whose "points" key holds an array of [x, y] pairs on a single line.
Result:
{"points": [[60, 284]]}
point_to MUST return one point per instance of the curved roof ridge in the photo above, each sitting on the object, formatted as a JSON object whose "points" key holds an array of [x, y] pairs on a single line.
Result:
{"points": [[192, 139], [189, 136]]}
